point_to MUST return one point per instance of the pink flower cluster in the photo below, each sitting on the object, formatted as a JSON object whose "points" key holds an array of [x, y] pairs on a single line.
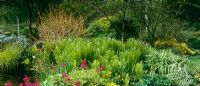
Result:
{"points": [[77, 83], [25, 82], [84, 64], [66, 78]]}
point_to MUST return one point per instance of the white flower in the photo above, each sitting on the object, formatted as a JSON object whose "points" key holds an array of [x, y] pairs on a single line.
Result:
{"points": [[34, 57]]}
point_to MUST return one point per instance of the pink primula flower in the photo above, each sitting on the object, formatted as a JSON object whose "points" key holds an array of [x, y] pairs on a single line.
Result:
{"points": [[77, 83], [29, 84], [65, 77], [84, 64], [26, 79]]}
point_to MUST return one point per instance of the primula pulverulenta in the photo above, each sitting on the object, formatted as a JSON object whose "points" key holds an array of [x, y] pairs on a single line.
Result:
{"points": [[77, 83], [84, 64], [26, 78], [8, 83], [65, 77], [26, 82]]}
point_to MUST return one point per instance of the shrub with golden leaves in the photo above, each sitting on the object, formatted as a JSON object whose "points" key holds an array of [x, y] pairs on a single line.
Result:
{"points": [[57, 24], [165, 42], [184, 48], [172, 42]]}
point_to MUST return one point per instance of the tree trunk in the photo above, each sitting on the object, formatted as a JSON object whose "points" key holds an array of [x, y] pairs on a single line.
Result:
{"points": [[30, 9], [122, 34], [146, 18]]}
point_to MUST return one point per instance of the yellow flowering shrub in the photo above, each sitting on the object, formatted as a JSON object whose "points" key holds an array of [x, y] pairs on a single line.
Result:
{"points": [[172, 42], [183, 48], [165, 42]]}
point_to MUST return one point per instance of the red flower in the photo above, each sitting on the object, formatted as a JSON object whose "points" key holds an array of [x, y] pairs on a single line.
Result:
{"points": [[26, 79], [102, 68], [77, 83], [64, 65], [29, 84], [8, 83], [84, 64], [66, 77]]}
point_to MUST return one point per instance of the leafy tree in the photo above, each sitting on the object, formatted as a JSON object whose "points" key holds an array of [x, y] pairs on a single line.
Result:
{"points": [[124, 24]]}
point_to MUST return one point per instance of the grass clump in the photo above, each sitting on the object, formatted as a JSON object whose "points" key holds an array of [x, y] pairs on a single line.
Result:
{"points": [[9, 56]]}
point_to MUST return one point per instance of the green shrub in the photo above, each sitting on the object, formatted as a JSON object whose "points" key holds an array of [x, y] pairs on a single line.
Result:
{"points": [[9, 56], [139, 70], [124, 27], [100, 27], [119, 59], [73, 51], [175, 67], [41, 59], [114, 26], [127, 66]]}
